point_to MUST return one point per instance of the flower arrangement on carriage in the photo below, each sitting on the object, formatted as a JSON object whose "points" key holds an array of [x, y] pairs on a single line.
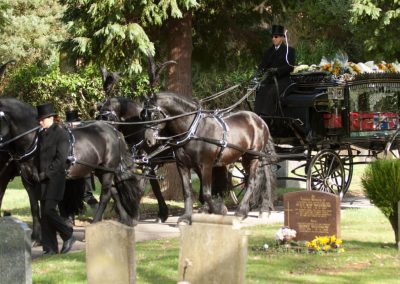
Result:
{"points": [[342, 69]]}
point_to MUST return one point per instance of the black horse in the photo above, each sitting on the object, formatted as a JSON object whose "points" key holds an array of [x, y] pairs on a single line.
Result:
{"points": [[96, 146], [203, 140], [127, 111]]}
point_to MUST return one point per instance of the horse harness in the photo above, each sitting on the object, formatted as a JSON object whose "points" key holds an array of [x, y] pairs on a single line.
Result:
{"points": [[73, 160], [191, 135]]}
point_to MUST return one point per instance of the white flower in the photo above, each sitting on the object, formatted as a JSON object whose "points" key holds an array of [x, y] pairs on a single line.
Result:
{"points": [[285, 233], [265, 246]]}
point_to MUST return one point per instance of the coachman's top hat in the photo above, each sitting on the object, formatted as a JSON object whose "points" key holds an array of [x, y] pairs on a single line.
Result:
{"points": [[72, 115], [45, 110], [278, 30]]}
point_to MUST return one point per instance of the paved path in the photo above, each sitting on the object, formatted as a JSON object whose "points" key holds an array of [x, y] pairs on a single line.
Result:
{"points": [[150, 230]]}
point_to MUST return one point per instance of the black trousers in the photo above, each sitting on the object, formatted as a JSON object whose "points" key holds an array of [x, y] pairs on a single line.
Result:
{"points": [[51, 223]]}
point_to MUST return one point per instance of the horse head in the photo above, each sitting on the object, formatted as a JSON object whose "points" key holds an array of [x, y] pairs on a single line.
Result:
{"points": [[119, 109], [160, 111], [18, 124]]}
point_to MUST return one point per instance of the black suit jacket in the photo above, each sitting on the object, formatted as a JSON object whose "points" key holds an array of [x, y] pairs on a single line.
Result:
{"points": [[266, 97], [53, 148]]}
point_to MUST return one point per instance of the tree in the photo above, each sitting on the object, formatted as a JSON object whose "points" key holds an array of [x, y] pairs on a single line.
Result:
{"points": [[30, 30], [378, 26], [112, 32]]}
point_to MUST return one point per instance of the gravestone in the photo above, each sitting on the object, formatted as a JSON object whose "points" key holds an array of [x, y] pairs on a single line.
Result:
{"points": [[212, 250], [110, 253], [312, 213], [15, 251]]}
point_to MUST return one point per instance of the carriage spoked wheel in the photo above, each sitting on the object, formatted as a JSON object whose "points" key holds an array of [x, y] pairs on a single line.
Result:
{"points": [[238, 178], [392, 149], [326, 173], [346, 155]]}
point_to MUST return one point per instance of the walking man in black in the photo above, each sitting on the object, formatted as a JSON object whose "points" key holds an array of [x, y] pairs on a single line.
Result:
{"points": [[53, 147]]}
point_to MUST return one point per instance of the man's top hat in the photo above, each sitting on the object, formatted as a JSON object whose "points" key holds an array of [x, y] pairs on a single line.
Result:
{"points": [[45, 110], [71, 115], [278, 30]]}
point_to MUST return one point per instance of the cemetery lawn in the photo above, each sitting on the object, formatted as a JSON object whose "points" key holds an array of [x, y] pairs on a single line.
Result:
{"points": [[370, 257]]}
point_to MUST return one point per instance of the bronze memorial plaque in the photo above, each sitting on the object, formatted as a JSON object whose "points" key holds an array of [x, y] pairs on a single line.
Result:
{"points": [[312, 213]]}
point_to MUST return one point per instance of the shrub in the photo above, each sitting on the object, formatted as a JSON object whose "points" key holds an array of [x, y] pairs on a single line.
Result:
{"points": [[381, 182], [81, 90]]}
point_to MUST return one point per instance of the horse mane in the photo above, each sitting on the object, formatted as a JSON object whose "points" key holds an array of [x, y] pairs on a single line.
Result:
{"points": [[18, 110], [188, 103]]}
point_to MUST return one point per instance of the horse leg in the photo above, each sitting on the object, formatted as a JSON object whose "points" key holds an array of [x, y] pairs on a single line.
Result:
{"points": [[184, 173], [123, 215], [162, 206], [30, 187], [35, 211], [244, 206], [105, 195]]}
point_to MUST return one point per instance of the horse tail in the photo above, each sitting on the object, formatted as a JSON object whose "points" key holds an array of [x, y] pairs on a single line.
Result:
{"points": [[266, 181], [130, 191], [72, 203]]}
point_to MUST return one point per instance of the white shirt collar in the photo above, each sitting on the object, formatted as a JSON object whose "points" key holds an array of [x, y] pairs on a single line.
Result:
{"points": [[277, 47]]}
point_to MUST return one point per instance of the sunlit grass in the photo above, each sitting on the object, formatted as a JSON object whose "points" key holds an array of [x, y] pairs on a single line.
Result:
{"points": [[370, 257]]}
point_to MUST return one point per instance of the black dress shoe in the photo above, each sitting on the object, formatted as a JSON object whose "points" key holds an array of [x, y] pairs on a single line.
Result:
{"points": [[68, 244]]}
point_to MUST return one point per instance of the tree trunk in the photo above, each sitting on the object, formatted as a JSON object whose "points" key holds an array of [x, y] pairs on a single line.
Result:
{"points": [[179, 80]]}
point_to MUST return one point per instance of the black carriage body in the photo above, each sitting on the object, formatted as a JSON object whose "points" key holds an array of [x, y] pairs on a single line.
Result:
{"points": [[317, 110]]}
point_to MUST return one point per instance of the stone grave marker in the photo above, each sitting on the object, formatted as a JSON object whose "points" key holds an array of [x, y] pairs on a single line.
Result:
{"points": [[110, 253], [15, 251], [312, 213], [212, 250]]}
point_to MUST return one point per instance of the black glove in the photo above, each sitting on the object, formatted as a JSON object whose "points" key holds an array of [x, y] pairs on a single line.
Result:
{"points": [[42, 176], [272, 72]]}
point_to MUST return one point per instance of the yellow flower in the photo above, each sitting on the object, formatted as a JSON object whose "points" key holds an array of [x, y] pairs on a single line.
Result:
{"points": [[339, 242], [327, 247]]}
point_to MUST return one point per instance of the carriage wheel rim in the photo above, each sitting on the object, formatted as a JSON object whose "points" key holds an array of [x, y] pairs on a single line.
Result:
{"points": [[326, 173]]}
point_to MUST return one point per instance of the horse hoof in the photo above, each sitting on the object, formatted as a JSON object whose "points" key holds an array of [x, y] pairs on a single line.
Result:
{"points": [[161, 219], [241, 215]]}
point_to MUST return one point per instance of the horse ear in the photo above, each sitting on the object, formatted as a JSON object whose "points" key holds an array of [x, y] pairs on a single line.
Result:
{"points": [[103, 72], [110, 81], [151, 70], [160, 69]]}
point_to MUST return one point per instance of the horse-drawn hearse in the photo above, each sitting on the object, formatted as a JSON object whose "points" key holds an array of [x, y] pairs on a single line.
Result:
{"points": [[323, 123], [328, 123]]}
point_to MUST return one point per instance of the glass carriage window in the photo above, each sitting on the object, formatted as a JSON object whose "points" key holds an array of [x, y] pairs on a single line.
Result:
{"points": [[374, 98]]}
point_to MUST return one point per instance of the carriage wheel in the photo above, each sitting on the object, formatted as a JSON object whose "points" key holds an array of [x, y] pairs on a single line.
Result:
{"points": [[346, 155], [238, 178], [326, 173], [392, 149]]}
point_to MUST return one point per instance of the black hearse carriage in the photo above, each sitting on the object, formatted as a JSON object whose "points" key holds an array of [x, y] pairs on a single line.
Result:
{"points": [[327, 123]]}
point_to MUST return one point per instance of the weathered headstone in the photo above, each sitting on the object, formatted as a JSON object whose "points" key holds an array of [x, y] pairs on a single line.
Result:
{"points": [[213, 250], [110, 253], [312, 213], [15, 251]]}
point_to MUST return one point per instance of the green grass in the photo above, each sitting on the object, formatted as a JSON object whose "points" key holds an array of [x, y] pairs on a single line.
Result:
{"points": [[370, 257], [370, 254]]}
